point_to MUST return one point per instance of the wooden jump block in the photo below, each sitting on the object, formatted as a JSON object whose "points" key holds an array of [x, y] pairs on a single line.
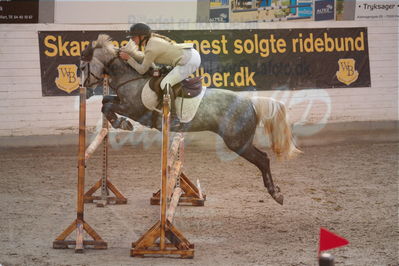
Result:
{"points": [[80, 226], [117, 199], [104, 185], [164, 238], [178, 245], [191, 194]]}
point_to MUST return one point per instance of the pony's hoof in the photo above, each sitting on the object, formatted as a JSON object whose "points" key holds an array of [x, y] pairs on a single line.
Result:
{"points": [[279, 198], [122, 123], [126, 125]]}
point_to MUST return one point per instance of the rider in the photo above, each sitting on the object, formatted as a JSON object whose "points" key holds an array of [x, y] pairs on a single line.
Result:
{"points": [[160, 49]]}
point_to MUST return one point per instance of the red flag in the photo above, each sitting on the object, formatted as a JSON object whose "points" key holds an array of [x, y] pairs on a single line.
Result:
{"points": [[329, 240]]}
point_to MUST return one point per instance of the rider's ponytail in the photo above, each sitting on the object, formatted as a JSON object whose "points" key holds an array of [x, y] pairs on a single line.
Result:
{"points": [[162, 37]]}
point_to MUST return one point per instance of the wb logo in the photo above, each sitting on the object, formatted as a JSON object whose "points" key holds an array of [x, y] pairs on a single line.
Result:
{"points": [[68, 79], [347, 73]]}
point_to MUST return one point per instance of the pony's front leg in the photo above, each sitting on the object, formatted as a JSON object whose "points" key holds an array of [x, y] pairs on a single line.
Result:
{"points": [[111, 99], [111, 107]]}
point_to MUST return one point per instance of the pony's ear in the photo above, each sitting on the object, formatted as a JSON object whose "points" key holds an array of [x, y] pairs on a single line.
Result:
{"points": [[87, 54]]}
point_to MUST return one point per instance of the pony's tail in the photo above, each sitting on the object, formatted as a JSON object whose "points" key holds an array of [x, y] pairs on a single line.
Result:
{"points": [[273, 115]]}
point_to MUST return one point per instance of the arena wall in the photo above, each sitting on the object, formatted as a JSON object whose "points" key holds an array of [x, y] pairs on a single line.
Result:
{"points": [[98, 12], [25, 112]]}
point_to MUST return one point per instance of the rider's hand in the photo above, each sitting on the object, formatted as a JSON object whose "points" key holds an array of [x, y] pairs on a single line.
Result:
{"points": [[124, 55]]}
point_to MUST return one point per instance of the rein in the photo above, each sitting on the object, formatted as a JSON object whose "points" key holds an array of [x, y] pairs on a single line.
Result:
{"points": [[126, 82], [106, 71], [106, 68]]}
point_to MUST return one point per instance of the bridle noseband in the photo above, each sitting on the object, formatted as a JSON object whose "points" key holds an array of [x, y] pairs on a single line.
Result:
{"points": [[98, 79]]}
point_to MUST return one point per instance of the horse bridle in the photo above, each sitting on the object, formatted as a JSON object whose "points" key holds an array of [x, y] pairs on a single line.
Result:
{"points": [[106, 67], [98, 79]]}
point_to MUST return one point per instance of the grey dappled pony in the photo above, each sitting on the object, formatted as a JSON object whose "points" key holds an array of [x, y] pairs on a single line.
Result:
{"points": [[230, 115]]}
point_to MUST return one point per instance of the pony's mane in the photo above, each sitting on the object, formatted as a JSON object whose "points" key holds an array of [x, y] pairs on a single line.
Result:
{"points": [[105, 41]]}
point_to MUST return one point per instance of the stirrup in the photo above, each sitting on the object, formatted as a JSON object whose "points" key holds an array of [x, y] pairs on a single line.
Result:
{"points": [[174, 122]]}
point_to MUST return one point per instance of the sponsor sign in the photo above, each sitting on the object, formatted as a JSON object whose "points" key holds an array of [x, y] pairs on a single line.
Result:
{"points": [[19, 11], [324, 10], [238, 60], [377, 10], [219, 15], [305, 8], [271, 10]]}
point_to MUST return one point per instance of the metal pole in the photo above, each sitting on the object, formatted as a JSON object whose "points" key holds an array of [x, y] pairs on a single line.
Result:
{"points": [[104, 187]]}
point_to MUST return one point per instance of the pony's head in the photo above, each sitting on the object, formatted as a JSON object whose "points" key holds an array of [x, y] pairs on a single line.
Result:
{"points": [[95, 60]]}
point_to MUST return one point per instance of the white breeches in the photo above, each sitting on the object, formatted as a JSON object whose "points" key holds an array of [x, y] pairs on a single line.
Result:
{"points": [[188, 64]]}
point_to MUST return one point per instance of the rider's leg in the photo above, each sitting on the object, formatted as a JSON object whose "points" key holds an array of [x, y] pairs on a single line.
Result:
{"points": [[192, 61], [174, 119]]}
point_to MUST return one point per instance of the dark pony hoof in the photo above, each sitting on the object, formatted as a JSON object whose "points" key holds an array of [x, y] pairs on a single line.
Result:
{"points": [[123, 124], [278, 196], [126, 125]]}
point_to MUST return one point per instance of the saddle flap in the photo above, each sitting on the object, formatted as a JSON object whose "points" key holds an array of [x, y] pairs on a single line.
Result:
{"points": [[155, 85], [192, 87], [192, 82]]}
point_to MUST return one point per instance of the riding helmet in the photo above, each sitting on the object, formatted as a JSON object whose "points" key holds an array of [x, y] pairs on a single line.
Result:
{"points": [[139, 29]]}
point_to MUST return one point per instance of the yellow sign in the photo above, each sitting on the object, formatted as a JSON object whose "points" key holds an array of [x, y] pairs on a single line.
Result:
{"points": [[347, 73], [68, 79]]}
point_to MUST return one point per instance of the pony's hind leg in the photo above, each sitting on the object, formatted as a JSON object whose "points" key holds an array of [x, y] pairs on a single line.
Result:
{"points": [[262, 161]]}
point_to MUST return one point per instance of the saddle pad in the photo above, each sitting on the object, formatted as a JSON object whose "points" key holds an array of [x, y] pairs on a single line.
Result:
{"points": [[149, 97], [190, 106], [186, 108]]}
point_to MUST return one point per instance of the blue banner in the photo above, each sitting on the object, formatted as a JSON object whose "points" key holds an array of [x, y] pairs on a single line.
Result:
{"points": [[324, 10], [219, 15]]}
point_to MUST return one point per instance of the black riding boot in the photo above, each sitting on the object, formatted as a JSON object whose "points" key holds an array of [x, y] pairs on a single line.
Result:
{"points": [[174, 119]]}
